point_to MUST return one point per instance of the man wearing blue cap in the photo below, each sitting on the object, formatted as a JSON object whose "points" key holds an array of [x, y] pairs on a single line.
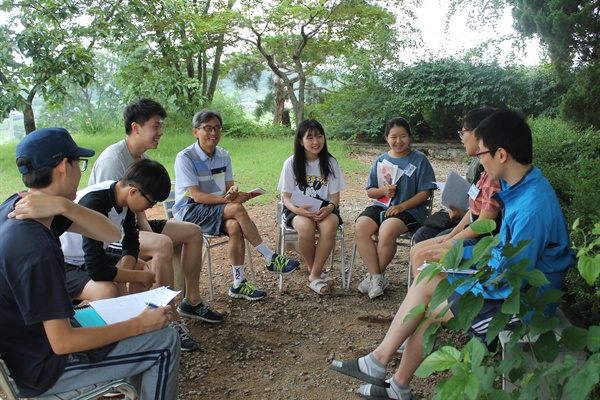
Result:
{"points": [[44, 353]]}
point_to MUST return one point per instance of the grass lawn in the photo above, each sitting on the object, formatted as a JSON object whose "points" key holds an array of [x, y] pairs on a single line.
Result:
{"points": [[256, 161]]}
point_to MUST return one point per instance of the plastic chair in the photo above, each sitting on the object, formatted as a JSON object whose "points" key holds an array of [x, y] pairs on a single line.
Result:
{"points": [[287, 234], [405, 239], [210, 242], [87, 393]]}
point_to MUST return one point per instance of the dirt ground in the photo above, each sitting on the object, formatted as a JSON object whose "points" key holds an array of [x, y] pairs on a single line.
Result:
{"points": [[281, 347]]}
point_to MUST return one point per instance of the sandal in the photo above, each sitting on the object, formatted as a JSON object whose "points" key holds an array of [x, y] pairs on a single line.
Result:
{"points": [[318, 285], [327, 279]]}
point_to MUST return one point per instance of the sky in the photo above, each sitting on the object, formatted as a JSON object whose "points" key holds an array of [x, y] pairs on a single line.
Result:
{"points": [[460, 36]]}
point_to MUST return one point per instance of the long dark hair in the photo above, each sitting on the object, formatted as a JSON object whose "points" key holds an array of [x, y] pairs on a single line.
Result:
{"points": [[299, 161]]}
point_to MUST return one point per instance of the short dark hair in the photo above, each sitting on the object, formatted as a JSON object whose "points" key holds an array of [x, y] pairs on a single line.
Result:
{"points": [[141, 111], [38, 178], [509, 130], [149, 176], [474, 117], [205, 116], [397, 121]]}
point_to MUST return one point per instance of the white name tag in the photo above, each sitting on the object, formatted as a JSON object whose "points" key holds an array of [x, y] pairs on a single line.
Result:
{"points": [[473, 192], [408, 171]]}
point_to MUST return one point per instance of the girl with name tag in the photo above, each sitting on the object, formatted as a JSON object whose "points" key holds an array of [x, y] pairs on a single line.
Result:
{"points": [[397, 208], [482, 205]]}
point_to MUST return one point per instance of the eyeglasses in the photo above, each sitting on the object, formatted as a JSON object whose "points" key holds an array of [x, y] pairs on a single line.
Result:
{"points": [[151, 203], [481, 153], [210, 128], [83, 163], [461, 133]]}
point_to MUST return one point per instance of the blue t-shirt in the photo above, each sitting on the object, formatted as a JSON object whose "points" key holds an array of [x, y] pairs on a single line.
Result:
{"points": [[418, 176], [531, 212]]}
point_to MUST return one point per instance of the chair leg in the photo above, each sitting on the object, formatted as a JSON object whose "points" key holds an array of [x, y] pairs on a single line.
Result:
{"points": [[249, 256], [351, 265], [207, 257], [343, 255]]}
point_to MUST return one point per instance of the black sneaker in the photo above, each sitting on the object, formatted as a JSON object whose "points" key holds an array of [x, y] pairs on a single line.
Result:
{"points": [[202, 311], [186, 341], [282, 265]]}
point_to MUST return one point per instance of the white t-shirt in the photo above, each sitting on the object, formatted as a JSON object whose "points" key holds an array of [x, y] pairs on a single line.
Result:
{"points": [[316, 185]]}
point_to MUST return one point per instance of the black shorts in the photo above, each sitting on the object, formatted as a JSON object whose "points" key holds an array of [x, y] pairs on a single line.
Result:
{"points": [[77, 277], [288, 216], [376, 213], [481, 322], [157, 225]]}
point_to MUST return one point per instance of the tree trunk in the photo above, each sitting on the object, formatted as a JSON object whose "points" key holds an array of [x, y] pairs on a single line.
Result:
{"points": [[279, 100], [28, 119]]}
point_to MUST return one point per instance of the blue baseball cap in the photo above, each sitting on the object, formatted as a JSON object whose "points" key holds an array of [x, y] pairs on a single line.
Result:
{"points": [[47, 147]]}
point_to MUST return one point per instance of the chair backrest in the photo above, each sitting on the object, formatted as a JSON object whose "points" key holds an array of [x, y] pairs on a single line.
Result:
{"points": [[429, 204], [169, 202], [7, 383]]}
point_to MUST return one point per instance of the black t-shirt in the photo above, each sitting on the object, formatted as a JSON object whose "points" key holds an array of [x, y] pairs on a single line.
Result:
{"points": [[32, 290]]}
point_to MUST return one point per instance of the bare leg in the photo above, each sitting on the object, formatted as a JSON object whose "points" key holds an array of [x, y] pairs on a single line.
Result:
{"points": [[190, 237], [389, 231], [365, 228], [327, 230], [236, 245], [137, 287], [237, 212], [98, 290], [306, 239], [159, 248], [400, 330]]}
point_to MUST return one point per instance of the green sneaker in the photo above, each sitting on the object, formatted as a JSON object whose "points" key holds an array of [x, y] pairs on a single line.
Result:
{"points": [[246, 290], [282, 265]]}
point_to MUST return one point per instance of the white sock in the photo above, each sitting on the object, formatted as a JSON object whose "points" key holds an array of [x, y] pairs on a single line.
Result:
{"points": [[370, 366], [238, 274], [265, 251]]}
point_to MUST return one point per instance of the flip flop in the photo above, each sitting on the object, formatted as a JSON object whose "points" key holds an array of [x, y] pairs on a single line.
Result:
{"points": [[327, 279], [350, 368], [377, 392], [317, 285]]}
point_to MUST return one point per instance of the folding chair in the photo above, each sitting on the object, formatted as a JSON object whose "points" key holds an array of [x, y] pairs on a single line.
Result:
{"points": [[210, 242], [87, 393], [405, 239], [287, 234]]}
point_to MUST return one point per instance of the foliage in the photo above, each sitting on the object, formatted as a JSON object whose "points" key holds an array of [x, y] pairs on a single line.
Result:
{"points": [[297, 40], [570, 159], [434, 96], [474, 368], [570, 29], [42, 50], [581, 102]]}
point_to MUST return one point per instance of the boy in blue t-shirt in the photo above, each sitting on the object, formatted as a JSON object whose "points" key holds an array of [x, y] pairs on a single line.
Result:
{"points": [[531, 212]]}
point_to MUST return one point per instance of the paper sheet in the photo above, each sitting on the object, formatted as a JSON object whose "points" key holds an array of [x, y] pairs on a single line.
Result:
{"points": [[299, 199], [122, 308], [456, 192]]}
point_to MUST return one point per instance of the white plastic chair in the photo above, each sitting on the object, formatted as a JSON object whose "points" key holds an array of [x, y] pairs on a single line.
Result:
{"points": [[287, 234], [405, 239], [87, 393], [210, 242]]}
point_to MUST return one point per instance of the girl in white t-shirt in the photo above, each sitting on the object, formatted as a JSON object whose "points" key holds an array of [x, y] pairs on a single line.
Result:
{"points": [[313, 172]]}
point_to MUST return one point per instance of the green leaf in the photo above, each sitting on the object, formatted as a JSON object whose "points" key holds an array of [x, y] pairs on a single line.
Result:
{"points": [[545, 348], [580, 385], [454, 256], [541, 323], [512, 304], [482, 227], [497, 325], [440, 360], [593, 340], [574, 338], [441, 293], [476, 351], [589, 268]]}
